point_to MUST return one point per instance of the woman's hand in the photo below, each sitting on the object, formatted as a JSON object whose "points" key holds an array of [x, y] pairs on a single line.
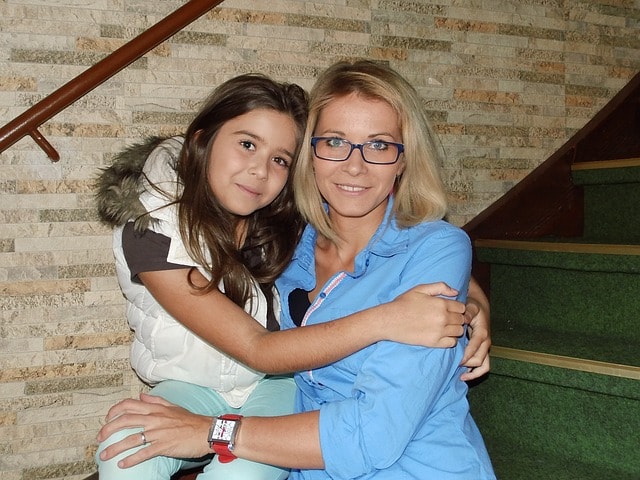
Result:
{"points": [[476, 354], [169, 430]]}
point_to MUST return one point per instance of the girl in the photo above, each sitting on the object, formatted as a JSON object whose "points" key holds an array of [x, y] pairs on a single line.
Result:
{"points": [[222, 219]]}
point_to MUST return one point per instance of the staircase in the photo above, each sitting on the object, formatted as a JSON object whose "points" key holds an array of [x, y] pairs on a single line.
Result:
{"points": [[562, 400]]}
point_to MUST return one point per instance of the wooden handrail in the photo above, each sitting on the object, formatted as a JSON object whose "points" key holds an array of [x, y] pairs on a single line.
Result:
{"points": [[28, 122]]}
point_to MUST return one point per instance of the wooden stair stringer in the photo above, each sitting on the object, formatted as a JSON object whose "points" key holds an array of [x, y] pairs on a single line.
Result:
{"points": [[571, 363], [561, 247]]}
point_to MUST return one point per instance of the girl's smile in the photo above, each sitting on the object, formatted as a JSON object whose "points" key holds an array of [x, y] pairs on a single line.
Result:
{"points": [[250, 158]]}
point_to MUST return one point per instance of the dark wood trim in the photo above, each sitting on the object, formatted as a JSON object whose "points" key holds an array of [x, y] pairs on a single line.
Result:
{"points": [[546, 203]]}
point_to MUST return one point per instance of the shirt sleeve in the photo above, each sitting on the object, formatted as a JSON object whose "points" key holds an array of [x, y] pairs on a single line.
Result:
{"points": [[146, 251], [399, 387]]}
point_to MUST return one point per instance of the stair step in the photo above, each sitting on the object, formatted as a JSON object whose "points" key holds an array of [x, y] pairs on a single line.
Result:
{"points": [[576, 300], [562, 341], [560, 253], [611, 199], [615, 378], [607, 171], [518, 463], [543, 413]]}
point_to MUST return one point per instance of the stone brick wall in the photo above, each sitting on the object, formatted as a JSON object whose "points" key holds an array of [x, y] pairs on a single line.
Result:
{"points": [[507, 83]]}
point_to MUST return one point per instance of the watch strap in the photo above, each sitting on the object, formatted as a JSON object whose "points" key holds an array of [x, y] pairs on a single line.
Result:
{"points": [[224, 449], [223, 453]]}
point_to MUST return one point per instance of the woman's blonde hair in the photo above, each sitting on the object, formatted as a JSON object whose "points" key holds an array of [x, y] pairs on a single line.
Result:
{"points": [[419, 192]]}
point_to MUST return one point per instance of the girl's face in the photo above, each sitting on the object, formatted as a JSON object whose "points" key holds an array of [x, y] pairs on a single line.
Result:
{"points": [[354, 188], [250, 158]]}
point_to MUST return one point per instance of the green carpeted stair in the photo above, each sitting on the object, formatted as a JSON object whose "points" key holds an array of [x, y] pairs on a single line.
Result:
{"points": [[562, 400]]}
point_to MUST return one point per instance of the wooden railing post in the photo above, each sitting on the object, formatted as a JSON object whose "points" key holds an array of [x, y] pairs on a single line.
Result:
{"points": [[28, 122]]}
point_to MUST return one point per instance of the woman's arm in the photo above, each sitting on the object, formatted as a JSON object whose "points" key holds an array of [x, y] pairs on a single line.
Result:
{"points": [[290, 441], [229, 328]]}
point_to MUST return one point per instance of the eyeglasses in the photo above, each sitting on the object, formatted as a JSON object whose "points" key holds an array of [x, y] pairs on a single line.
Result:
{"points": [[338, 149]]}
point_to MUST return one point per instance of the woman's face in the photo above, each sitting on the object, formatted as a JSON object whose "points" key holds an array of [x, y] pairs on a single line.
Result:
{"points": [[250, 158], [354, 188]]}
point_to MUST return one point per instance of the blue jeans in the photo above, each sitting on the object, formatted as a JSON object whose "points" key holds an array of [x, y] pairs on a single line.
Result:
{"points": [[273, 396]]}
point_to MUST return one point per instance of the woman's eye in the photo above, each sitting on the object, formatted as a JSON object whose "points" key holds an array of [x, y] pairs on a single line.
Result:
{"points": [[246, 144], [378, 145], [336, 142]]}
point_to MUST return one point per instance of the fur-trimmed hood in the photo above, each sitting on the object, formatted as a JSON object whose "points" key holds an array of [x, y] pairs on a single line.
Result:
{"points": [[118, 186]]}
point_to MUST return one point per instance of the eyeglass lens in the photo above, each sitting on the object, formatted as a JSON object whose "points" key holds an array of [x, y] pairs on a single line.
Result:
{"points": [[339, 149]]}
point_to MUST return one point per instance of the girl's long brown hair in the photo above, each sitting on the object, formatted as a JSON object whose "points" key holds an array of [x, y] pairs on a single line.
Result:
{"points": [[207, 229]]}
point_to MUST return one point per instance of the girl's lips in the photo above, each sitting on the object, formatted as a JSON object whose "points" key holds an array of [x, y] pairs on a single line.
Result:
{"points": [[248, 190]]}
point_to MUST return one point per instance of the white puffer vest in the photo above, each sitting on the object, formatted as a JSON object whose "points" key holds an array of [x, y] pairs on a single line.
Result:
{"points": [[163, 348]]}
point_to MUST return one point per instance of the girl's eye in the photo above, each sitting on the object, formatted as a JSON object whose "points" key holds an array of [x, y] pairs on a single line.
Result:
{"points": [[283, 162], [248, 145]]}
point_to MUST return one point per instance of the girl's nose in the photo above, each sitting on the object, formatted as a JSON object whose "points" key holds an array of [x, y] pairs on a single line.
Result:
{"points": [[259, 168]]}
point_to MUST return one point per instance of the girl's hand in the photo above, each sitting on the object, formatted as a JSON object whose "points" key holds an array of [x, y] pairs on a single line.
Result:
{"points": [[169, 430], [423, 317]]}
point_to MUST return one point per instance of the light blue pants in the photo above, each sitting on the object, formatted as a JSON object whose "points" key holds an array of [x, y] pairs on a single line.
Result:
{"points": [[273, 396]]}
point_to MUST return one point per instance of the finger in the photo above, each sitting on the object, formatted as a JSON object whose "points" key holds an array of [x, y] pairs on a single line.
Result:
{"points": [[474, 373], [456, 307], [128, 405], [438, 288], [127, 443], [121, 422], [147, 398], [470, 312], [477, 359], [471, 350], [453, 331], [446, 342], [138, 457]]}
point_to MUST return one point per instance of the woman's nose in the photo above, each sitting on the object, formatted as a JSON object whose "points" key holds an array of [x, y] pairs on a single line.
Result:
{"points": [[355, 164]]}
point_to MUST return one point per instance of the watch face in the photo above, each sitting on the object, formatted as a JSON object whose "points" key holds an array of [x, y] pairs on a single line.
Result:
{"points": [[223, 430]]}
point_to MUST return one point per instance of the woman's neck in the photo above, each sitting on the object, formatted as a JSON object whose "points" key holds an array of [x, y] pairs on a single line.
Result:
{"points": [[354, 235]]}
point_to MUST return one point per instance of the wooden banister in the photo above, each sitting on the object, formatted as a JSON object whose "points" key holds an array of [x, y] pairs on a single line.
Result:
{"points": [[28, 122]]}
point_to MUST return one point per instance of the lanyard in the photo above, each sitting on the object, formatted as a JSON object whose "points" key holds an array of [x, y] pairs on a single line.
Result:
{"points": [[335, 281]]}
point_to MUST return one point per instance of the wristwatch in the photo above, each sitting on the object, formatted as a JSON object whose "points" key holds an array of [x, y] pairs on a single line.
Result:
{"points": [[222, 436]]}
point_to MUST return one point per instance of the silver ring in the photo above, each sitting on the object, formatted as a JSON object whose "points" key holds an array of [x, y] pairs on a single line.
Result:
{"points": [[144, 439]]}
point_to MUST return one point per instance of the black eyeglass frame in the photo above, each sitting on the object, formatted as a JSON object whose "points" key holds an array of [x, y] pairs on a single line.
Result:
{"points": [[359, 146]]}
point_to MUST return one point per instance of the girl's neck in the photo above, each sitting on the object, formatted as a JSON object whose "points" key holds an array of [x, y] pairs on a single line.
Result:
{"points": [[241, 233]]}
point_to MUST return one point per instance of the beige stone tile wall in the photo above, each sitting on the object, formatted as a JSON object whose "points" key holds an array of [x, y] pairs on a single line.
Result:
{"points": [[507, 83]]}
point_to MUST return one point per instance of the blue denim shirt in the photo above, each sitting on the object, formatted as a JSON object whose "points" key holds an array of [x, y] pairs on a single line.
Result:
{"points": [[390, 411]]}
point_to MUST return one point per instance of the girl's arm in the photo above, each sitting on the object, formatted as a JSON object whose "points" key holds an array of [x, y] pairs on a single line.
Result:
{"points": [[229, 328], [173, 431]]}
